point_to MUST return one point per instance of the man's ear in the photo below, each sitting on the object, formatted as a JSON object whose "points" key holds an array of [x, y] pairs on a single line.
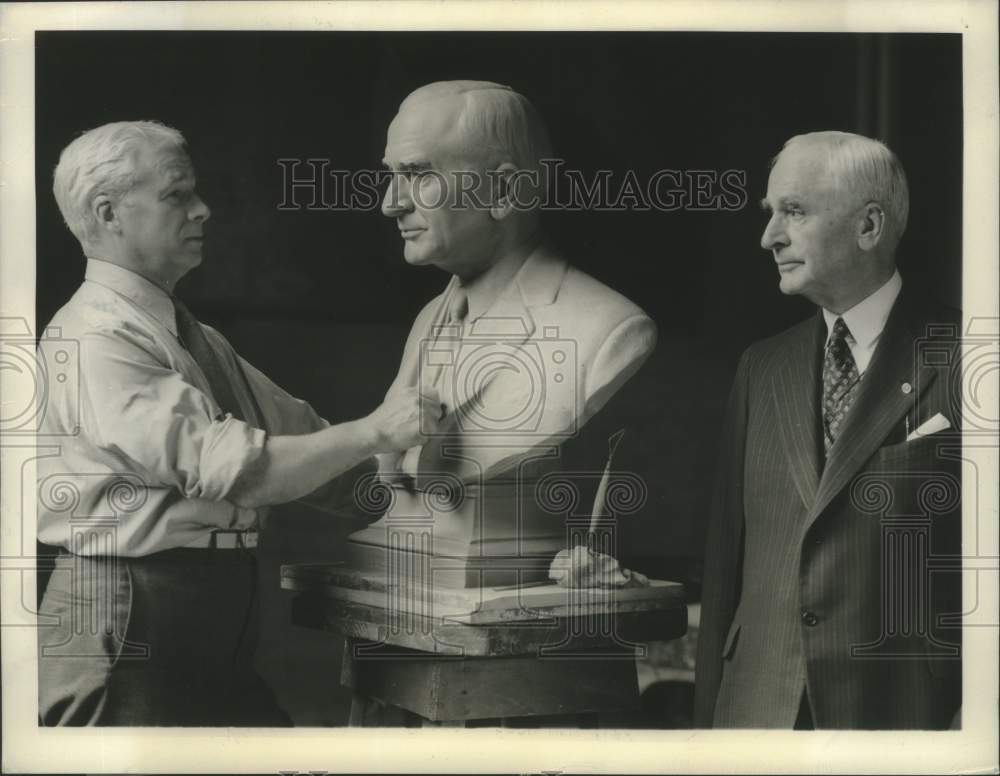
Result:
{"points": [[504, 192], [871, 226], [105, 212]]}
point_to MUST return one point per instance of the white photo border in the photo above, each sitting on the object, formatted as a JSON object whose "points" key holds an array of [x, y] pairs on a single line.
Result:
{"points": [[29, 748]]}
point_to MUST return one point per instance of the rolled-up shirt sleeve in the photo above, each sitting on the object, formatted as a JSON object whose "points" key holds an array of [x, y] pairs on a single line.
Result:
{"points": [[138, 408]]}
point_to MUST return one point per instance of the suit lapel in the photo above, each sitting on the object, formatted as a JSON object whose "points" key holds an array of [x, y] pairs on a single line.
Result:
{"points": [[794, 387], [509, 322], [887, 392], [536, 284], [508, 319]]}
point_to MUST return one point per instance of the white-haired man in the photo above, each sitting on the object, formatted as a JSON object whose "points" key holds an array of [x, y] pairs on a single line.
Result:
{"points": [[173, 448], [830, 570], [524, 348]]}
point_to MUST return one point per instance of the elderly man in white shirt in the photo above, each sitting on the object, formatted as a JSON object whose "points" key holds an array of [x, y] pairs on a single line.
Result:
{"points": [[170, 450]]}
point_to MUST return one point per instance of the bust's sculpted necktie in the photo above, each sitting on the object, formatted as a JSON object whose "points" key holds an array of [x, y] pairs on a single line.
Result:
{"points": [[448, 347], [440, 362]]}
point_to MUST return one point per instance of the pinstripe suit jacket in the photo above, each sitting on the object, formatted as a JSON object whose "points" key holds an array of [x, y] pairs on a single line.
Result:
{"points": [[833, 578]]}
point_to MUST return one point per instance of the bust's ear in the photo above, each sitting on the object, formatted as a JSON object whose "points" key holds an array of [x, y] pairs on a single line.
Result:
{"points": [[504, 191], [105, 212], [871, 226]]}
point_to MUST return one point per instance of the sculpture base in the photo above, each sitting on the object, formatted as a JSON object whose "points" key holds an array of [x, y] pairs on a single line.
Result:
{"points": [[495, 535]]}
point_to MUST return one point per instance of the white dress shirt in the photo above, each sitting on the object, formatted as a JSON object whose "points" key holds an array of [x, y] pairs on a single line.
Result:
{"points": [[866, 320], [140, 457]]}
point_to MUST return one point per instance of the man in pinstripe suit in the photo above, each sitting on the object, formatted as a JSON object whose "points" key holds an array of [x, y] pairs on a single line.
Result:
{"points": [[831, 598]]}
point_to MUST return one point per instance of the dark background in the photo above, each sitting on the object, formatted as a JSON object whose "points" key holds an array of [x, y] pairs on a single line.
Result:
{"points": [[322, 301]]}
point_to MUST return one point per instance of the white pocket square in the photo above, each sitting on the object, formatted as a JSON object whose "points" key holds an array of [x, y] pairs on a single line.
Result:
{"points": [[938, 423]]}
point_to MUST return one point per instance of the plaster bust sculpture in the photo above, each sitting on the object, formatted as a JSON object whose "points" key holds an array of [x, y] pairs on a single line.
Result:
{"points": [[523, 348]]}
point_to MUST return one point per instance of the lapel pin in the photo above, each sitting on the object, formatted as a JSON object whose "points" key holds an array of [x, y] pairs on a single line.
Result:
{"points": [[906, 388]]}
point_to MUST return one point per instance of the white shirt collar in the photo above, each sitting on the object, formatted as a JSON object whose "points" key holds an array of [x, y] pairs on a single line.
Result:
{"points": [[142, 292], [867, 318]]}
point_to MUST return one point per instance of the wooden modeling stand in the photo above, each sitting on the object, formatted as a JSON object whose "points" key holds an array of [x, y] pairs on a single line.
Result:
{"points": [[453, 656]]}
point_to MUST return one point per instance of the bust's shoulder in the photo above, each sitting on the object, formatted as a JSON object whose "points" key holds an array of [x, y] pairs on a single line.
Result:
{"points": [[583, 308], [589, 295]]}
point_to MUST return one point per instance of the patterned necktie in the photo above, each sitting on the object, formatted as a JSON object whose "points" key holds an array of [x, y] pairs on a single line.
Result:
{"points": [[840, 380], [192, 337]]}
